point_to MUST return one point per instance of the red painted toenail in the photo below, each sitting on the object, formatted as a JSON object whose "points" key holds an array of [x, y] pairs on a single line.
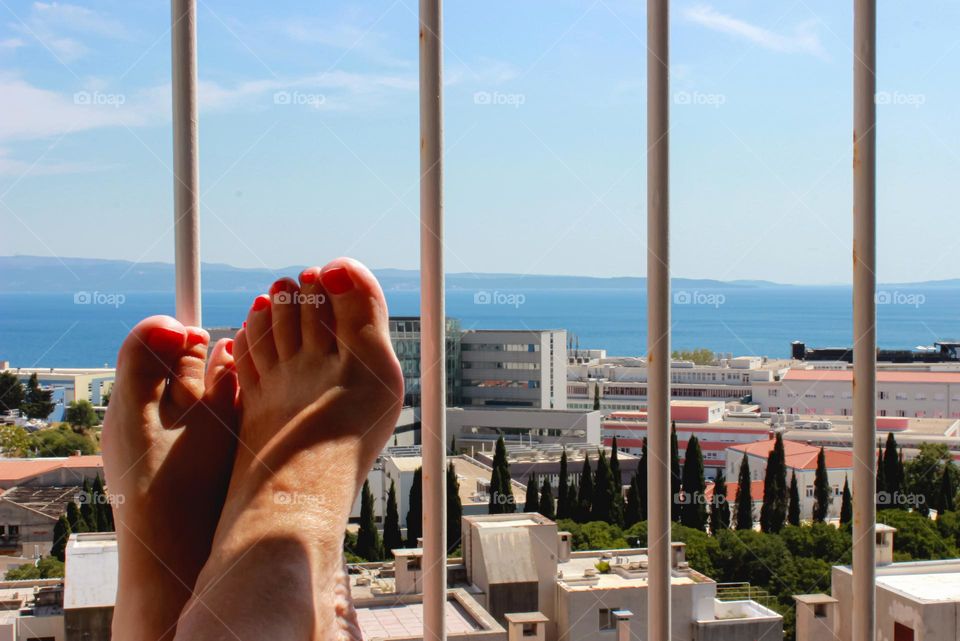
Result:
{"points": [[244, 326], [336, 280], [260, 303], [162, 339], [229, 347], [308, 277], [196, 337]]}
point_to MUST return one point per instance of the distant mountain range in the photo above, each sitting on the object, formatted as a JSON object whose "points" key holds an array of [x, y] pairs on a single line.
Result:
{"points": [[48, 274]]}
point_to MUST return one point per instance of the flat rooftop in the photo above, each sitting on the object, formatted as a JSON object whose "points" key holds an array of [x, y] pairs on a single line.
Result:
{"points": [[468, 474], [930, 587], [403, 620], [628, 570]]}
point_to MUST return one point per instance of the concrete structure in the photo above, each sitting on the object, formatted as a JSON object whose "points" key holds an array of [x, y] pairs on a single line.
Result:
{"points": [[476, 428], [90, 586], [622, 381], [28, 516], [916, 600], [514, 368], [521, 574], [801, 459], [913, 392], [544, 463], [49, 472], [69, 384], [31, 610]]}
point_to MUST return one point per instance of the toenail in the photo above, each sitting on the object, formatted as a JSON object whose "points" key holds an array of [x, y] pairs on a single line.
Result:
{"points": [[196, 337], [163, 339], [260, 303], [229, 347], [282, 285], [336, 280], [308, 277]]}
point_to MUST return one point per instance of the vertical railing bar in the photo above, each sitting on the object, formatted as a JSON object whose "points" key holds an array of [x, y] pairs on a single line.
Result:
{"points": [[432, 323], [864, 318], [658, 320], [186, 165]]}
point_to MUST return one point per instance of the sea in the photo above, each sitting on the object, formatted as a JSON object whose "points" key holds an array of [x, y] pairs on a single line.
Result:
{"points": [[59, 330]]}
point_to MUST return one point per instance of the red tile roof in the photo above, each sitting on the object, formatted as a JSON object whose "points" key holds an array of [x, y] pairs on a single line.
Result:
{"points": [[15, 470], [756, 491], [798, 455]]}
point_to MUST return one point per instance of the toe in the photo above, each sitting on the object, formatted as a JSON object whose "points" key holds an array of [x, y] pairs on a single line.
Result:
{"points": [[246, 370], [286, 300], [316, 314], [260, 341], [359, 310], [220, 379]]}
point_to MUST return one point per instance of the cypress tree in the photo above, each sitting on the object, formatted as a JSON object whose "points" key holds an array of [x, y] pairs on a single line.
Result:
{"points": [[87, 511], [369, 545], [101, 505], [415, 511], [846, 504], [596, 396], [676, 477], [495, 506], [883, 497], [37, 403], [793, 512], [453, 444], [454, 509], [891, 470], [642, 481], [694, 512], [631, 512], [616, 476], [773, 512], [947, 491], [533, 497], [744, 499], [821, 490], [392, 539], [501, 490], [719, 506], [546, 500], [602, 505], [563, 489], [584, 492], [75, 519], [61, 534]]}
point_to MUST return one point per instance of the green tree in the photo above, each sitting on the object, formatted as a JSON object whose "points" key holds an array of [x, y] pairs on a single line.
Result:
{"points": [[821, 489], [642, 480], [773, 511], [59, 441], [945, 497], [415, 510], [61, 533], [48, 567], [602, 506], [546, 500], [87, 511], [369, 545], [694, 512], [564, 510], [80, 414], [37, 403], [700, 356], [101, 504], [392, 539], [584, 492], [892, 470], [617, 476], [676, 477], [454, 509], [11, 392], [75, 519], [631, 512], [532, 503], [501, 489], [846, 504], [14, 440], [596, 396], [793, 510], [918, 537], [923, 476], [883, 497], [744, 499], [719, 506]]}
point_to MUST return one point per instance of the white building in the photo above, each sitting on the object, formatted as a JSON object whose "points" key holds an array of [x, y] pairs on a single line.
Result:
{"points": [[519, 368], [68, 384], [479, 427], [912, 393]]}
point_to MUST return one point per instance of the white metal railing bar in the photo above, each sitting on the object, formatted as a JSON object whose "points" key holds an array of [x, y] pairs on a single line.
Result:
{"points": [[186, 165], [864, 318], [658, 320], [432, 323]]}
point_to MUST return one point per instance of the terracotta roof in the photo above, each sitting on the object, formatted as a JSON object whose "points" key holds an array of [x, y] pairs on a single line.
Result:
{"points": [[883, 376], [798, 455], [14, 470], [756, 491]]}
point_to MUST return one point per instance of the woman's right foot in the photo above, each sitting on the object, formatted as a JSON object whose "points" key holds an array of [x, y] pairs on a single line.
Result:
{"points": [[320, 391]]}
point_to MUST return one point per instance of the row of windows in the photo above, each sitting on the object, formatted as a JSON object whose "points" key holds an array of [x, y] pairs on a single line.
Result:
{"points": [[500, 384], [499, 365], [500, 347]]}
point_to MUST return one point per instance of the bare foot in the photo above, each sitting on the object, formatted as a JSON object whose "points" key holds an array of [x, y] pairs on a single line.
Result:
{"points": [[168, 447], [320, 393]]}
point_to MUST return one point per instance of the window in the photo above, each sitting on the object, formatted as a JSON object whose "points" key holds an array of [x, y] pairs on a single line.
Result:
{"points": [[882, 396], [820, 610], [607, 620], [809, 491]]}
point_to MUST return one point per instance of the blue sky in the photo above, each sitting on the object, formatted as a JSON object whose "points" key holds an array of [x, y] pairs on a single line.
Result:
{"points": [[309, 133]]}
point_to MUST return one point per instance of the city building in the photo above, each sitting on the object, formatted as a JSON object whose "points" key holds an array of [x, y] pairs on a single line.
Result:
{"points": [[913, 393], [405, 336], [28, 516], [801, 459], [477, 428], [90, 586], [518, 368], [543, 462], [519, 574], [32, 610], [916, 600], [622, 381], [68, 384]]}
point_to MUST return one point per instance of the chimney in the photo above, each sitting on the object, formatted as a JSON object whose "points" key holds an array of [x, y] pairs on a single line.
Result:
{"points": [[564, 543], [623, 624], [526, 626], [679, 556], [816, 617], [884, 544]]}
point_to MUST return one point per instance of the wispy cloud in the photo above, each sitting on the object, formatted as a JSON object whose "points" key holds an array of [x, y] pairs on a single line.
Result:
{"points": [[11, 43], [804, 38], [61, 28]]}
